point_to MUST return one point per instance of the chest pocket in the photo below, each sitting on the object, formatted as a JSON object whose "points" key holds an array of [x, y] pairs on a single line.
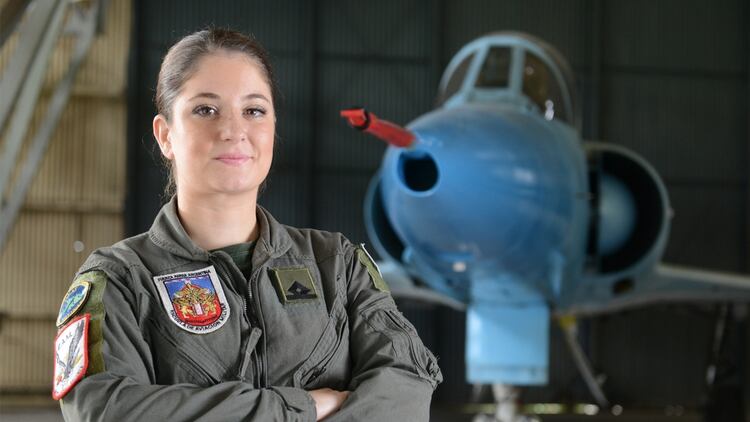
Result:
{"points": [[181, 367], [328, 364], [183, 357]]}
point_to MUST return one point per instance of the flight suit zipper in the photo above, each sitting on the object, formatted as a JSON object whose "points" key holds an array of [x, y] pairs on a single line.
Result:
{"points": [[222, 270], [250, 356], [256, 321], [252, 321], [253, 292]]}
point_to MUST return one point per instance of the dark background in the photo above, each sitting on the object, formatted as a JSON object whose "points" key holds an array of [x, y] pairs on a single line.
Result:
{"points": [[666, 78]]}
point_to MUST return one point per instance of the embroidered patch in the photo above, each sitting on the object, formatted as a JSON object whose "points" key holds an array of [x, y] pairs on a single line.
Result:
{"points": [[372, 269], [71, 355], [194, 300], [294, 284], [73, 301]]}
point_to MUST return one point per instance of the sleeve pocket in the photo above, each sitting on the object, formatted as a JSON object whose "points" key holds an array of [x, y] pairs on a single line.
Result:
{"points": [[407, 345]]}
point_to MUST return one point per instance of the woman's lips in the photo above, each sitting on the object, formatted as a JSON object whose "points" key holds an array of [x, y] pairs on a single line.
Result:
{"points": [[233, 159]]}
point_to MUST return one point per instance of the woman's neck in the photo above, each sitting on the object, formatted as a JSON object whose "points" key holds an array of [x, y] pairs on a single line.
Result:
{"points": [[218, 221]]}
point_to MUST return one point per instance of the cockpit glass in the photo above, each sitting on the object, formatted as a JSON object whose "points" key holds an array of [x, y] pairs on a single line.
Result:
{"points": [[456, 79], [543, 89], [495, 71]]}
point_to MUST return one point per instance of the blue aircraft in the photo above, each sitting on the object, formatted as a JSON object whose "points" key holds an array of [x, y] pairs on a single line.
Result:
{"points": [[494, 204]]}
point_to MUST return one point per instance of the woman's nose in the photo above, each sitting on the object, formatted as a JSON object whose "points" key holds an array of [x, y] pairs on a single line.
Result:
{"points": [[233, 128]]}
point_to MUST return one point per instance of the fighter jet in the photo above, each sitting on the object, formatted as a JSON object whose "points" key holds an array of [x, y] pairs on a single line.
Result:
{"points": [[493, 203]]}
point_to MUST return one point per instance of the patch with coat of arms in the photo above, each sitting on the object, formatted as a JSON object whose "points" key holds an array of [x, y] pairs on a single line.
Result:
{"points": [[71, 355], [194, 300]]}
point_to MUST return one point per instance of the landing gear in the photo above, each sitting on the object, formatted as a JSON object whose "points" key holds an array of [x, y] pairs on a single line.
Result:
{"points": [[506, 398]]}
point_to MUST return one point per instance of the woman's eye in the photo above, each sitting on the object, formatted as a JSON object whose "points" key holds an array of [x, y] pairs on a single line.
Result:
{"points": [[255, 112], [205, 111]]}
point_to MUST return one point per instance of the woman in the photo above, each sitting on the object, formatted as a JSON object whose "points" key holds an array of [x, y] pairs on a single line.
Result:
{"points": [[219, 312]]}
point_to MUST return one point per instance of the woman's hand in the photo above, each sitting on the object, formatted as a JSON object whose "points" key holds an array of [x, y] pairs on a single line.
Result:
{"points": [[328, 401]]}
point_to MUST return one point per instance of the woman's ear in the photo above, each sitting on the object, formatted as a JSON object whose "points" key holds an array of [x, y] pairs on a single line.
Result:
{"points": [[161, 133]]}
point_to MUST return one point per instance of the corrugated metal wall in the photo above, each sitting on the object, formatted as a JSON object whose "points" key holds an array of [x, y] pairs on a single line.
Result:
{"points": [[74, 205], [666, 78], [675, 89]]}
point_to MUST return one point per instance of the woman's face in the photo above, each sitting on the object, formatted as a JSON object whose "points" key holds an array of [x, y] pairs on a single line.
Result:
{"points": [[220, 138]]}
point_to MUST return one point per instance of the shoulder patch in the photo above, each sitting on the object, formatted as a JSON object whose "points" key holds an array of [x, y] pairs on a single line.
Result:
{"points": [[71, 355], [294, 285], [73, 300], [194, 300], [372, 268]]}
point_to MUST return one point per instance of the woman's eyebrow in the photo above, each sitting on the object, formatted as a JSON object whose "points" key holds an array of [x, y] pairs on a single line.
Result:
{"points": [[210, 95], [256, 95], [213, 96]]}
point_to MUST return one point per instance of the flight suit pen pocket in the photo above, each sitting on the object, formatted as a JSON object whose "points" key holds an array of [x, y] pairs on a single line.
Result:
{"points": [[247, 358]]}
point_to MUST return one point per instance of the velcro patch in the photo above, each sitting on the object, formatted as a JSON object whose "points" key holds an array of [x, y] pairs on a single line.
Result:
{"points": [[194, 300], [372, 269], [294, 284], [73, 301], [71, 355]]}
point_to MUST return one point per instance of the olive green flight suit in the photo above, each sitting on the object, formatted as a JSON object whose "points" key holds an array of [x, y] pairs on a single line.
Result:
{"points": [[261, 362]]}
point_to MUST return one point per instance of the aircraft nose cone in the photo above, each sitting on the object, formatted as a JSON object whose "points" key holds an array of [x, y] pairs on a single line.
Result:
{"points": [[418, 171]]}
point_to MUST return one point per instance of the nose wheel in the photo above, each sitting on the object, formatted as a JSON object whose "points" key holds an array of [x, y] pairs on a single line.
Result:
{"points": [[506, 398]]}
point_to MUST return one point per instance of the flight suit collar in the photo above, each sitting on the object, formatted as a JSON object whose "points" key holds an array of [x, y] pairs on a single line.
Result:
{"points": [[168, 233], [274, 239]]}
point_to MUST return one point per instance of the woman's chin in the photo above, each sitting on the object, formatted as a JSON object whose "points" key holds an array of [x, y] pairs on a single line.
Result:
{"points": [[240, 190], [234, 188]]}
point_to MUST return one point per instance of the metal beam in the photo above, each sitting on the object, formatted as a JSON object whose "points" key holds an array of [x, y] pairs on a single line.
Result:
{"points": [[24, 78], [595, 71], [438, 42], [30, 36], [309, 170], [10, 15], [41, 139], [745, 9], [589, 337]]}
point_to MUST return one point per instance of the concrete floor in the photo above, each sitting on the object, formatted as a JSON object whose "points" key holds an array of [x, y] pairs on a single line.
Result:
{"points": [[31, 415], [439, 414], [41, 408]]}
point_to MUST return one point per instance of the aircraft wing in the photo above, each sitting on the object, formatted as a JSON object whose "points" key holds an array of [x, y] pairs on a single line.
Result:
{"points": [[402, 286], [675, 284]]}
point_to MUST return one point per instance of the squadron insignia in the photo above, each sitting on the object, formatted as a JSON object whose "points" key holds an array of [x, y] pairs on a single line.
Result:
{"points": [[194, 300], [73, 301], [71, 355], [294, 285]]}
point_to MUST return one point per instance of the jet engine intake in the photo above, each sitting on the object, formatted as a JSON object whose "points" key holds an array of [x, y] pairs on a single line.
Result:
{"points": [[630, 210]]}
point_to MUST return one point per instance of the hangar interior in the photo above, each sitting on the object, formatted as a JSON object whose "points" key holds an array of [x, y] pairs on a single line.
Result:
{"points": [[668, 79]]}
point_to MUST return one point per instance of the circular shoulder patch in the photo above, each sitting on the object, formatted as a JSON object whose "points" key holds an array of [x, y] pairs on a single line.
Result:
{"points": [[73, 301]]}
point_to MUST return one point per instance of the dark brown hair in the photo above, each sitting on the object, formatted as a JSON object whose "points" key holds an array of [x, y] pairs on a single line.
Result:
{"points": [[179, 65]]}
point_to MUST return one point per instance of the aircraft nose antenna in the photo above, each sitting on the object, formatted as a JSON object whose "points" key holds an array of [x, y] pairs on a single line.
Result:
{"points": [[363, 120]]}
